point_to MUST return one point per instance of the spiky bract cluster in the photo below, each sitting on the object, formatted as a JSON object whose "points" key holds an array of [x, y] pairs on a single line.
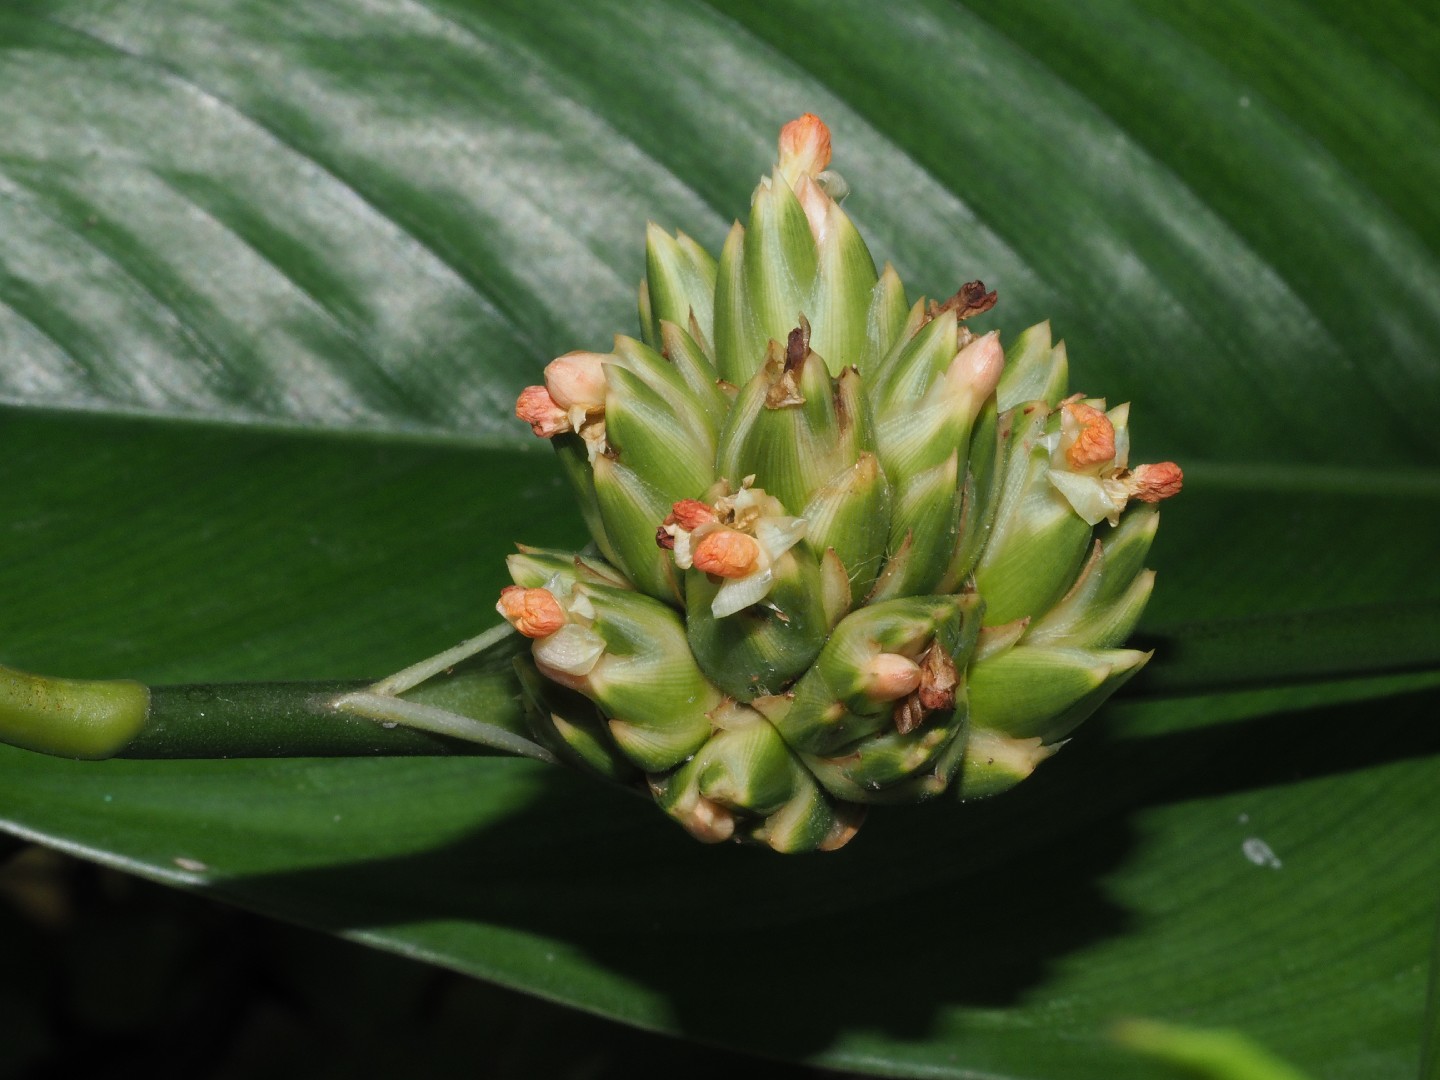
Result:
{"points": [[846, 550]]}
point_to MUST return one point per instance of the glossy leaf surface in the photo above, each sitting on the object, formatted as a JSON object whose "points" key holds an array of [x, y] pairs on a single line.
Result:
{"points": [[271, 276]]}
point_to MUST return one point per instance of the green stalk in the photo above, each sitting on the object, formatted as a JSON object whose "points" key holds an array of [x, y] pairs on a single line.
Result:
{"points": [[461, 701], [288, 719]]}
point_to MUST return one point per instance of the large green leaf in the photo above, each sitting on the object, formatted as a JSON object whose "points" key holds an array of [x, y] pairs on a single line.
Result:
{"points": [[271, 275]]}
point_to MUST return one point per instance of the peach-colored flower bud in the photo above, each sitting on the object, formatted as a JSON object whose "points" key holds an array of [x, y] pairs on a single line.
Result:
{"points": [[1096, 442], [727, 553], [978, 365], [690, 514], [577, 378], [804, 148], [889, 676], [533, 612], [538, 409], [1151, 483]]}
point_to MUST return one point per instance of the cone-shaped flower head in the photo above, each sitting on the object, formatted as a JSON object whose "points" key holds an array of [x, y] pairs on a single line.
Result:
{"points": [[847, 549]]}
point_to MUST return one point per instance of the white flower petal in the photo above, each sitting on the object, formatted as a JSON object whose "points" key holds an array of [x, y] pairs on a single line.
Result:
{"points": [[573, 649], [1120, 417], [684, 549], [744, 499], [739, 593], [580, 605], [1087, 494], [778, 535]]}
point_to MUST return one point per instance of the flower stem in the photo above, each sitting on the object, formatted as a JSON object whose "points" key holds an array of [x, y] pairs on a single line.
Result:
{"points": [[461, 701], [286, 719]]}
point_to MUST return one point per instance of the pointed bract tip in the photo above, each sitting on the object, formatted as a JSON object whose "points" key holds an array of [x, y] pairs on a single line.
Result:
{"points": [[705, 819], [979, 366], [889, 676], [817, 204], [847, 823]]}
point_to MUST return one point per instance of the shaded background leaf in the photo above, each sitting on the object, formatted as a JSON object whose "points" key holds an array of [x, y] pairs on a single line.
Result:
{"points": [[272, 276]]}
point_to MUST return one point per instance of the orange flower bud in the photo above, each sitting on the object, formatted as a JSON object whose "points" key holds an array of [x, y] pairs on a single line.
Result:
{"points": [[1096, 442], [804, 147], [1151, 483], [690, 514], [538, 409], [727, 553], [533, 612]]}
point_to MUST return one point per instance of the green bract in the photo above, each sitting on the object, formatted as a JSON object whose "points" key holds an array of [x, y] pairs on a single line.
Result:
{"points": [[847, 551]]}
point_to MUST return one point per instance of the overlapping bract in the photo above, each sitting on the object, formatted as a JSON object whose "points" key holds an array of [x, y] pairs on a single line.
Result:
{"points": [[847, 551]]}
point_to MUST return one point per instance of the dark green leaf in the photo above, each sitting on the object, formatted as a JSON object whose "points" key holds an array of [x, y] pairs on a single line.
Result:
{"points": [[1430, 1030], [271, 276]]}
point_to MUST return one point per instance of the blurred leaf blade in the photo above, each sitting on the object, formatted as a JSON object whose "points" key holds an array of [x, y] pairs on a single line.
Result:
{"points": [[271, 277], [1430, 1031]]}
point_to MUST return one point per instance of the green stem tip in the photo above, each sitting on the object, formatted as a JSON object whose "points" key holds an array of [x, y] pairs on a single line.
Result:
{"points": [[70, 717]]}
